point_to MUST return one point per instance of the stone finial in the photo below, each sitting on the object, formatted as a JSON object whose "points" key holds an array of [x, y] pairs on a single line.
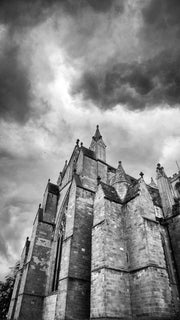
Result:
{"points": [[81, 144], [49, 180], [141, 174], [98, 180], [59, 180], [77, 142], [27, 242], [160, 171]]}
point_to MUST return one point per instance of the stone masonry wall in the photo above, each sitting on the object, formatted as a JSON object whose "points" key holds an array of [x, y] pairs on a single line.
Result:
{"points": [[151, 296], [78, 300], [65, 259], [17, 283], [59, 216], [74, 285], [32, 289], [49, 307], [32, 286], [110, 295], [89, 173], [102, 171]]}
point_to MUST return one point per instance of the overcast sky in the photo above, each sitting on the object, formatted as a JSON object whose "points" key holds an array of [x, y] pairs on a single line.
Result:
{"points": [[67, 66]]}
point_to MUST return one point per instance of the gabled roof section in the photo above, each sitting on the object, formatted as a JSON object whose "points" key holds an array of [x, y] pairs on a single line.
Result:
{"points": [[88, 153], [131, 179], [112, 195], [110, 192], [53, 188], [97, 135], [120, 175]]}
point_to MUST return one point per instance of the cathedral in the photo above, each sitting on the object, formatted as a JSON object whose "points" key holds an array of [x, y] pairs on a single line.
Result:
{"points": [[104, 245]]}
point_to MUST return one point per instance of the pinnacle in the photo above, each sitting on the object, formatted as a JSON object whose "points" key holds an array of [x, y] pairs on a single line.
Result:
{"points": [[97, 135], [160, 171], [120, 173], [152, 183]]}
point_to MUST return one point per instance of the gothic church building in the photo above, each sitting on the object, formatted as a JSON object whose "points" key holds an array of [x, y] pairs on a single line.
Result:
{"points": [[104, 245]]}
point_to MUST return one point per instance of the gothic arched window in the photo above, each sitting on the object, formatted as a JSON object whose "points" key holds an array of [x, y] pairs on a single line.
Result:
{"points": [[58, 255]]}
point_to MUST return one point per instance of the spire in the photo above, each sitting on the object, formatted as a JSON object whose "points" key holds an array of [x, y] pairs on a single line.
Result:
{"points": [[98, 145], [97, 135]]}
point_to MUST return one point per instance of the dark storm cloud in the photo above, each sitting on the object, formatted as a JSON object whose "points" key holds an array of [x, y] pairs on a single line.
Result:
{"points": [[15, 94], [162, 14], [15, 87], [22, 13], [138, 85], [98, 6], [155, 79], [20, 16]]}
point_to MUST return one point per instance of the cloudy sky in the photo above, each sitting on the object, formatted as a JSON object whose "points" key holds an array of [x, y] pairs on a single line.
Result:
{"points": [[68, 65]]}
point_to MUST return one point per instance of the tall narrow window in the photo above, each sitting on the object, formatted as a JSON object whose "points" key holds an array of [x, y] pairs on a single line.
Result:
{"points": [[168, 260], [59, 252], [57, 263]]}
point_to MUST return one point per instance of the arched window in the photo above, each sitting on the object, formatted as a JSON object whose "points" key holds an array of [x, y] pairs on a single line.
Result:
{"points": [[57, 265]]}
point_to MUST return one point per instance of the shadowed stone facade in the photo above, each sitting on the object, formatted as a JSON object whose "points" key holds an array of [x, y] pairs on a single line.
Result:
{"points": [[104, 245]]}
